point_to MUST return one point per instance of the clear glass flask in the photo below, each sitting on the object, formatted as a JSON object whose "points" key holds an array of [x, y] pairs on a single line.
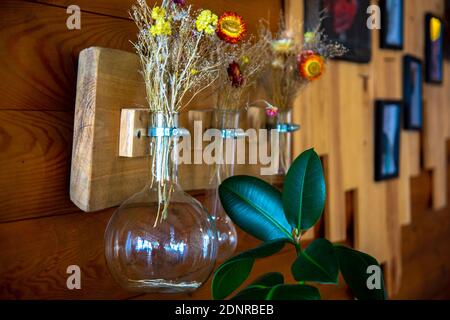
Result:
{"points": [[161, 240]]}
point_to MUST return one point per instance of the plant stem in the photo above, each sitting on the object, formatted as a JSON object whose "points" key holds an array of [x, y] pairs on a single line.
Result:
{"points": [[298, 248]]}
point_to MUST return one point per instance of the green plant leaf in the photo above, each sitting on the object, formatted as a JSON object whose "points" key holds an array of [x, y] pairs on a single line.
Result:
{"points": [[233, 272], [259, 288], [317, 263], [256, 207], [269, 280], [304, 191], [252, 293], [353, 265], [293, 292], [229, 276]]}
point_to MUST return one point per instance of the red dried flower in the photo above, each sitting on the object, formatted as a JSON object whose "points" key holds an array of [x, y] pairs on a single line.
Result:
{"points": [[235, 74]]}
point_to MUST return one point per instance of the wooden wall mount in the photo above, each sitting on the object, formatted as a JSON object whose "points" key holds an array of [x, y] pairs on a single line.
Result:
{"points": [[99, 176], [109, 162], [133, 140]]}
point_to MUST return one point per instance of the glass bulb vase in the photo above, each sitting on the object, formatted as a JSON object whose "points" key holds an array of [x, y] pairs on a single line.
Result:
{"points": [[282, 123], [161, 240], [227, 122]]}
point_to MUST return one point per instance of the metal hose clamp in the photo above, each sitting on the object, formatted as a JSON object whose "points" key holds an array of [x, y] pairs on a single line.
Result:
{"points": [[287, 127], [167, 132], [233, 133]]}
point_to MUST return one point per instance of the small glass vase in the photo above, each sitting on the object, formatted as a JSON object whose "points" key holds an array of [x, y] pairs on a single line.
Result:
{"points": [[227, 121], [282, 122], [161, 240]]}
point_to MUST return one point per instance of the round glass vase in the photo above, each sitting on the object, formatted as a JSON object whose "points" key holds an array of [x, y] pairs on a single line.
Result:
{"points": [[282, 123], [227, 122], [161, 240]]}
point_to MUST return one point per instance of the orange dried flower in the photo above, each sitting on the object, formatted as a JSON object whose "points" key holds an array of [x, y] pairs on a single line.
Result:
{"points": [[231, 27], [310, 65]]}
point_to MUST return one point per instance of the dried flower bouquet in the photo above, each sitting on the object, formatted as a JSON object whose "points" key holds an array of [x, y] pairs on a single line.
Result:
{"points": [[296, 61], [177, 47]]}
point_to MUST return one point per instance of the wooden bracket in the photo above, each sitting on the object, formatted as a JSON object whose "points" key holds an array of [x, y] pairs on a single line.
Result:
{"points": [[133, 133], [110, 142], [108, 81]]}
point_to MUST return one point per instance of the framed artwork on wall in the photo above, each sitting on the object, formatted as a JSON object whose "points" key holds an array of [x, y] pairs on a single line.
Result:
{"points": [[387, 139], [412, 93], [392, 24], [434, 49], [343, 21]]}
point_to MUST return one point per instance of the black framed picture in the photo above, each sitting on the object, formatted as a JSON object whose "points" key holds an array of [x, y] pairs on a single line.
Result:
{"points": [[434, 49], [344, 21], [392, 24], [387, 139], [412, 93]]}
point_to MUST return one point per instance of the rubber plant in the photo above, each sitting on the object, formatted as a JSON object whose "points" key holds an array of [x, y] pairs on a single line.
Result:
{"points": [[279, 219]]}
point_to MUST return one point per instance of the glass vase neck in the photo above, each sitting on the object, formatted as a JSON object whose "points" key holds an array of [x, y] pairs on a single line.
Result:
{"points": [[163, 147], [225, 119]]}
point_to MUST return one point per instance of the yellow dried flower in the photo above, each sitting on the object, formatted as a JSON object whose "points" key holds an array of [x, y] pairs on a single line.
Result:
{"points": [[282, 45], [194, 72], [245, 60], [158, 13], [310, 37], [206, 22], [161, 27]]}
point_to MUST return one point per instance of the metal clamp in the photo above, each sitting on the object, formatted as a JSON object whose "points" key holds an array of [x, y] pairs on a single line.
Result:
{"points": [[233, 133], [287, 127], [167, 132]]}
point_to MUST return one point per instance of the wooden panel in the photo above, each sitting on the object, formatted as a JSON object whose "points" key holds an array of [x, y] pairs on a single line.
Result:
{"points": [[36, 269], [435, 120], [426, 247], [34, 159], [435, 125], [100, 178], [42, 53], [314, 111], [133, 141], [337, 118], [393, 207], [35, 156], [36, 254], [266, 9]]}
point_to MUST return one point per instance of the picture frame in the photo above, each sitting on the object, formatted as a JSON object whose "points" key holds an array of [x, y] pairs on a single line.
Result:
{"points": [[412, 93], [344, 22], [392, 24], [434, 49], [388, 115]]}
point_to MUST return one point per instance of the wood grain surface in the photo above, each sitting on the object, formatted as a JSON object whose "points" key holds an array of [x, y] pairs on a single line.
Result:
{"points": [[42, 232], [35, 151], [37, 252], [41, 54], [339, 113], [252, 11]]}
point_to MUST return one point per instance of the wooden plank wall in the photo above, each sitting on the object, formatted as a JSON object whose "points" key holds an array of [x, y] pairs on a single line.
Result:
{"points": [[42, 232], [338, 113]]}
